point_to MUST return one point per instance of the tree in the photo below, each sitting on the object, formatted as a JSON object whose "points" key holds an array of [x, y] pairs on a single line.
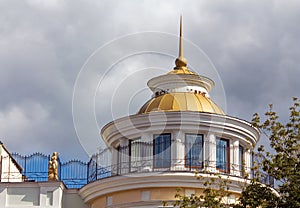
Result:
{"points": [[282, 163], [216, 189], [256, 195]]}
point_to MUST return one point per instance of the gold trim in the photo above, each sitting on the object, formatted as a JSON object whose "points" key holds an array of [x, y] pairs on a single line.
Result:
{"points": [[181, 101]]}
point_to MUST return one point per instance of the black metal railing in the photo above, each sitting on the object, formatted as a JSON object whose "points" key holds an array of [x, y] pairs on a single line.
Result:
{"points": [[146, 165], [149, 165], [76, 173]]}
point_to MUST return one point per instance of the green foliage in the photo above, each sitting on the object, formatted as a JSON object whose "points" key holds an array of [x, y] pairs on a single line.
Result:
{"points": [[216, 188], [284, 162], [258, 195]]}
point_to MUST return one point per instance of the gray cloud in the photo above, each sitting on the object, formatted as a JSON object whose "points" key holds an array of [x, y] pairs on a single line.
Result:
{"points": [[43, 45]]}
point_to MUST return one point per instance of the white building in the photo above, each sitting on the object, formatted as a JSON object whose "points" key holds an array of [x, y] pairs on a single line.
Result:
{"points": [[16, 191], [178, 131]]}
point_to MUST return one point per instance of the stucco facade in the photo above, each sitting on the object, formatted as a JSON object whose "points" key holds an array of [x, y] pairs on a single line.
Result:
{"points": [[38, 194]]}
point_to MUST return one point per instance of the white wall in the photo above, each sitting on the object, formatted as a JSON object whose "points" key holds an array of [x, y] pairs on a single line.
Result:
{"points": [[9, 170], [22, 196], [39, 195], [72, 199]]}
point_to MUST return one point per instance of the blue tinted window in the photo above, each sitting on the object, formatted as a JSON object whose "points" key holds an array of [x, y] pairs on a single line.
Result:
{"points": [[222, 152], [162, 150], [194, 150]]}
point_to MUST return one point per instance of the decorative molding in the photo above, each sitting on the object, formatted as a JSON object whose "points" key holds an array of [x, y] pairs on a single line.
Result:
{"points": [[220, 125], [151, 180]]}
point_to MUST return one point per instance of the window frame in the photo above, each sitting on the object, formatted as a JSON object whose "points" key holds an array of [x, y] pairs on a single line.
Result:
{"points": [[227, 162], [201, 154], [137, 139], [168, 160]]}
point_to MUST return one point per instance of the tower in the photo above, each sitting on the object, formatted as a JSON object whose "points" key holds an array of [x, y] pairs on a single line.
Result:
{"points": [[178, 131]]}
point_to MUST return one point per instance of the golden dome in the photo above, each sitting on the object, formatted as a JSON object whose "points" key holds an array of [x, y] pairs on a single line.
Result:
{"points": [[181, 101], [180, 89], [181, 71]]}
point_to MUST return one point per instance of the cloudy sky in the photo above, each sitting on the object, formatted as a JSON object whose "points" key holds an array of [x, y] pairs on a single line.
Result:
{"points": [[45, 46]]}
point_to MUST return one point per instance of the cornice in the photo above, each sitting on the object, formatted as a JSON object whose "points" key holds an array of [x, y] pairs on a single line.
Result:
{"points": [[159, 121]]}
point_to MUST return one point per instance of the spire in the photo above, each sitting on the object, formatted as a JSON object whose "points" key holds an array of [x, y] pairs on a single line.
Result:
{"points": [[180, 39], [180, 62]]}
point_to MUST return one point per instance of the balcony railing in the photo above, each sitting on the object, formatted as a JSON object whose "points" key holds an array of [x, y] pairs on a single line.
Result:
{"points": [[176, 165], [76, 174]]}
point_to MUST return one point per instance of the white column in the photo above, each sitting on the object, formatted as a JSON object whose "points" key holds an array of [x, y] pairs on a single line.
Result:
{"points": [[148, 158], [177, 151], [210, 152], [235, 166], [247, 158]]}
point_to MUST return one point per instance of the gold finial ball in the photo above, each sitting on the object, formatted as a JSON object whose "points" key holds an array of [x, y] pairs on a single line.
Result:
{"points": [[181, 62]]}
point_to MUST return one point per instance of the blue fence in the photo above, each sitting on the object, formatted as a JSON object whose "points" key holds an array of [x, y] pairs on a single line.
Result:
{"points": [[35, 168], [76, 173], [73, 173]]}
